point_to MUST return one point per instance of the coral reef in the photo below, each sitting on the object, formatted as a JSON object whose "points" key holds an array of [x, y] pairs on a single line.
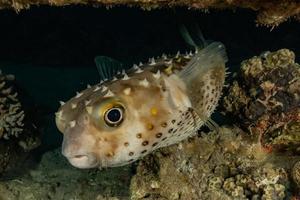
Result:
{"points": [[16, 138], [55, 178], [228, 165], [265, 99], [296, 173], [270, 13], [11, 113]]}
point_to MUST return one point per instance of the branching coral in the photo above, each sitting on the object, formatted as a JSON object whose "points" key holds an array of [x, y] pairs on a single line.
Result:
{"points": [[11, 113], [17, 135]]}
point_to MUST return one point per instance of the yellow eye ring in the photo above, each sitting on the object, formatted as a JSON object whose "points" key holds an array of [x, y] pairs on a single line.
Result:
{"points": [[114, 116]]}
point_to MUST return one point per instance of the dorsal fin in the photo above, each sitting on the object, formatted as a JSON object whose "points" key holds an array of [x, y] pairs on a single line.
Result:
{"points": [[108, 67], [196, 40]]}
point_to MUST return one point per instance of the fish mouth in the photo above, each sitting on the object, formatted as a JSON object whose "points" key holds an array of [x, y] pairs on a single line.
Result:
{"points": [[83, 161]]}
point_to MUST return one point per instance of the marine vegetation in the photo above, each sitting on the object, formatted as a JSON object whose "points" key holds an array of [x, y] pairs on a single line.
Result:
{"points": [[130, 114]]}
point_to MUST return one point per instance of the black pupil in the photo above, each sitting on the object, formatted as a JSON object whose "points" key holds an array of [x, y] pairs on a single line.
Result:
{"points": [[114, 115]]}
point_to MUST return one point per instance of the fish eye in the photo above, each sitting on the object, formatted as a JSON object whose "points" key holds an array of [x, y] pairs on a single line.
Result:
{"points": [[113, 116]]}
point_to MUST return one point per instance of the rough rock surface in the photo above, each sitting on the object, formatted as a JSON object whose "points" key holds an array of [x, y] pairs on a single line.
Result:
{"points": [[270, 13], [265, 99], [214, 166], [54, 178]]}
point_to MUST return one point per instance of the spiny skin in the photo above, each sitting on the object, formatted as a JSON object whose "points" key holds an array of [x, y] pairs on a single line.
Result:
{"points": [[156, 107]]}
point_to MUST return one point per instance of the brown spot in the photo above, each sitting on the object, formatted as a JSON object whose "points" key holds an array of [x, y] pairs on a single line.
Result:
{"points": [[110, 154], [154, 144], [126, 144], [144, 151], [164, 124], [150, 126], [173, 121], [145, 143], [164, 138], [158, 135], [139, 135], [131, 153], [170, 130], [179, 123]]}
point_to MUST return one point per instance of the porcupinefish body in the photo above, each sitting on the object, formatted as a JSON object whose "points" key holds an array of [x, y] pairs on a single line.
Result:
{"points": [[150, 106]]}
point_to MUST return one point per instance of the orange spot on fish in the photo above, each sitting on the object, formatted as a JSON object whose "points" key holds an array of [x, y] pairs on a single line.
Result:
{"points": [[154, 111], [150, 126]]}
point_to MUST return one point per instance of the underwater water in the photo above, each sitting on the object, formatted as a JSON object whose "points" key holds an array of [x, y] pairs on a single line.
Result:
{"points": [[51, 52]]}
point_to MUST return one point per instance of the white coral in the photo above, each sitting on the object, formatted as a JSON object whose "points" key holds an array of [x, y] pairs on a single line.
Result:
{"points": [[11, 113]]}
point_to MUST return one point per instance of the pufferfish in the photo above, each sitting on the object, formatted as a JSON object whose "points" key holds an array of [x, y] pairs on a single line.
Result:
{"points": [[137, 111]]}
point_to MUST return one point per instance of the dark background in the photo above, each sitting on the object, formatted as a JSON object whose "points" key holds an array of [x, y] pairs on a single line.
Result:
{"points": [[51, 50], [73, 36]]}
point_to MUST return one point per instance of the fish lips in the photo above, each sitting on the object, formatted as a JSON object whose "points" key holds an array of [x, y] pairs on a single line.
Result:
{"points": [[82, 160]]}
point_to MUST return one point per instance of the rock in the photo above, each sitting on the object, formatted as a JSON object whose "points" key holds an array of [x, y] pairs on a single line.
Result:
{"points": [[212, 166], [296, 173], [265, 99], [55, 178], [270, 13]]}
